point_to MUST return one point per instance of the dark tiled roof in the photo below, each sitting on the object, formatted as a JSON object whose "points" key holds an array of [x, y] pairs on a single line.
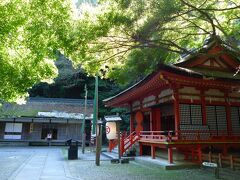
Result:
{"points": [[60, 100]]}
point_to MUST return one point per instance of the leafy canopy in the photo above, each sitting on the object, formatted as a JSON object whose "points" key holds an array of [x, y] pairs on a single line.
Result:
{"points": [[128, 38], [30, 31]]}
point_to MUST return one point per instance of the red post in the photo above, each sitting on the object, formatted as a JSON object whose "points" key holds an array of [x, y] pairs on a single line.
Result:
{"points": [[176, 109], [131, 123], [192, 153], [153, 153], [170, 155], [199, 154], [158, 118], [122, 144], [228, 114], [203, 102]]}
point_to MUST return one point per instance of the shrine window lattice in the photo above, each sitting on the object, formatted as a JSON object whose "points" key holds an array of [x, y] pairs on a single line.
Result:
{"points": [[235, 119], [216, 119], [190, 114]]}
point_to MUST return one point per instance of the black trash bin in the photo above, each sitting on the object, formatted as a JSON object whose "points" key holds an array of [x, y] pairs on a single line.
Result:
{"points": [[73, 149]]}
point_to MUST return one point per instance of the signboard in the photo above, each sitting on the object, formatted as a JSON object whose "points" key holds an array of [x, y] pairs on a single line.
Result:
{"points": [[13, 131], [111, 130], [209, 164], [113, 118]]}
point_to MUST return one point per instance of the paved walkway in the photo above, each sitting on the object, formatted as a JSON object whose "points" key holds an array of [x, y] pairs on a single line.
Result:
{"points": [[43, 163], [49, 163]]}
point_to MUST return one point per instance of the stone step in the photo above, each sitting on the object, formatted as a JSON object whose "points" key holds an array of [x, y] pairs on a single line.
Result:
{"points": [[115, 151], [110, 155], [115, 156], [13, 143]]}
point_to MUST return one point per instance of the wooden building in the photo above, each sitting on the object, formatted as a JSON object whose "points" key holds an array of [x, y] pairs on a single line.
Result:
{"points": [[193, 105], [31, 122]]}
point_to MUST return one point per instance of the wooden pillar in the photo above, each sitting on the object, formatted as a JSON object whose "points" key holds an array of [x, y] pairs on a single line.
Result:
{"points": [[151, 120], [176, 110], [192, 154], [220, 160], [231, 162], [158, 119], [203, 102], [210, 156], [225, 150], [228, 114], [199, 154], [153, 151], [132, 122], [170, 155]]}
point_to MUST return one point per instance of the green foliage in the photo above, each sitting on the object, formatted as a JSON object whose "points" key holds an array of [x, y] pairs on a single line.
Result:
{"points": [[128, 38], [30, 31], [70, 84], [125, 39], [14, 110]]}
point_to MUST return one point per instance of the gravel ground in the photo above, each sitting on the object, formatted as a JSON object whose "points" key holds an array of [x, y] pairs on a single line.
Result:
{"points": [[11, 158], [86, 169], [133, 171]]}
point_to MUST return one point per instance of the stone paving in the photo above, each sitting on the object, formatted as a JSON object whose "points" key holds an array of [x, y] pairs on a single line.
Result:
{"points": [[50, 163], [10, 160], [33, 163]]}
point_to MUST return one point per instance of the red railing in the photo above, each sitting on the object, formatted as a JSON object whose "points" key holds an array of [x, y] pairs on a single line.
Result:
{"points": [[186, 135], [114, 142], [127, 142], [157, 135]]}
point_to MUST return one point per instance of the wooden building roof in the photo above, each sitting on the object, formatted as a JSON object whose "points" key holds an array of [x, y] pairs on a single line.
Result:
{"points": [[214, 65]]}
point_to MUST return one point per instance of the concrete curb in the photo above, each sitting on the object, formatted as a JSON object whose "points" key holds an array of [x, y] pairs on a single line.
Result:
{"points": [[165, 165]]}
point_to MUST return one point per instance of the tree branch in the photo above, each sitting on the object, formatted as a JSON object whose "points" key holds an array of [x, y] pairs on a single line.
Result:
{"points": [[203, 13]]}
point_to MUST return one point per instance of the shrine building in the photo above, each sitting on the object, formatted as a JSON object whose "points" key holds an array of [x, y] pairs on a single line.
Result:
{"points": [[191, 105]]}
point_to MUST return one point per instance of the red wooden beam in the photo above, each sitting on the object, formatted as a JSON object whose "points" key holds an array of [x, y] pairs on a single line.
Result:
{"points": [[170, 155]]}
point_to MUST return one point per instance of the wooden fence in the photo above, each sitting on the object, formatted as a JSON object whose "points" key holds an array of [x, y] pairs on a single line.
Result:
{"points": [[223, 160]]}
